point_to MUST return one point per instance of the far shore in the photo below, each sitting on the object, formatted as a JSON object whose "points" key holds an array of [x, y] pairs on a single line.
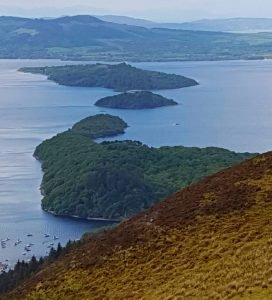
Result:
{"points": [[131, 60]]}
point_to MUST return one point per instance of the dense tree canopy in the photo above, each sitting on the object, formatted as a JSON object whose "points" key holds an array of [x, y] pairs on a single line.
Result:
{"points": [[119, 77], [100, 126], [22, 270], [135, 100], [116, 180]]}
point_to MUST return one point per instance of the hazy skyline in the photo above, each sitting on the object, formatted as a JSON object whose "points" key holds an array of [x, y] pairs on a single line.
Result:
{"points": [[160, 10]]}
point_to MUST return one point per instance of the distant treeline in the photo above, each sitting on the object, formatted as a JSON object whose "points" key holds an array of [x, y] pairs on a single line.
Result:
{"points": [[9, 280], [13, 278], [23, 270]]}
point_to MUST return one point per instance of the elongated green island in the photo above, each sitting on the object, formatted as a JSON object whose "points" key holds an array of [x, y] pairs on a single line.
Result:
{"points": [[135, 100], [119, 77], [115, 180]]}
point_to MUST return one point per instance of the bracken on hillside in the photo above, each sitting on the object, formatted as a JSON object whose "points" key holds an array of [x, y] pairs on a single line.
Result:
{"points": [[212, 240]]}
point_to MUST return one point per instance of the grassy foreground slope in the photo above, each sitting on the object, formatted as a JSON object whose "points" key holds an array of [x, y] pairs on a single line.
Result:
{"points": [[212, 240], [116, 180]]}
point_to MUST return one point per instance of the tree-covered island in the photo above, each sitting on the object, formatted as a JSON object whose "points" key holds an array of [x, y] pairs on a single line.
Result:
{"points": [[135, 100], [119, 77]]}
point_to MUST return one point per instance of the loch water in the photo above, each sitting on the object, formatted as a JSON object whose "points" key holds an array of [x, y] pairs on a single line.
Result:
{"points": [[231, 108]]}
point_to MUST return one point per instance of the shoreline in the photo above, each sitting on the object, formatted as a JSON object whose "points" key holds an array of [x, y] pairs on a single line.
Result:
{"points": [[74, 217], [81, 218], [73, 60]]}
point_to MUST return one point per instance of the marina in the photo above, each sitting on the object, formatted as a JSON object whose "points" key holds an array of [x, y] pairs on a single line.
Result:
{"points": [[8, 243]]}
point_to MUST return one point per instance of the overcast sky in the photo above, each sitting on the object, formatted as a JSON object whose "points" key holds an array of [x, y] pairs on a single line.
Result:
{"points": [[160, 10]]}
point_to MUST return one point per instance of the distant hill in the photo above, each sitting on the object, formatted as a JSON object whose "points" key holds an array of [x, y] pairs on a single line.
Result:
{"points": [[231, 25], [212, 240], [135, 100], [141, 22], [119, 77], [89, 38], [224, 25], [129, 21]]}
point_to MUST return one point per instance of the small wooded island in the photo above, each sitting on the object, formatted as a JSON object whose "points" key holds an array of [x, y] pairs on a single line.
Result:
{"points": [[119, 77], [115, 180], [135, 100]]}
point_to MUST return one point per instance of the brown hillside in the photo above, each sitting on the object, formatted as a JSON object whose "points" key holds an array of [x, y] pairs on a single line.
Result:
{"points": [[212, 240]]}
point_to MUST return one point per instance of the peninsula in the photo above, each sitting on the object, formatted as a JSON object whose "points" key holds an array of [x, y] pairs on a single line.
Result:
{"points": [[116, 180]]}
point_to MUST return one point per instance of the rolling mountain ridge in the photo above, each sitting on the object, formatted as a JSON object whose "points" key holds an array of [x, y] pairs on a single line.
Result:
{"points": [[89, 38], [223, 25]]}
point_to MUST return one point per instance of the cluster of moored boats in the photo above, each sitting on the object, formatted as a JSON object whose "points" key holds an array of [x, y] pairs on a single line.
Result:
{"points": [[4, 266], [27, 247], [4, 242]]}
